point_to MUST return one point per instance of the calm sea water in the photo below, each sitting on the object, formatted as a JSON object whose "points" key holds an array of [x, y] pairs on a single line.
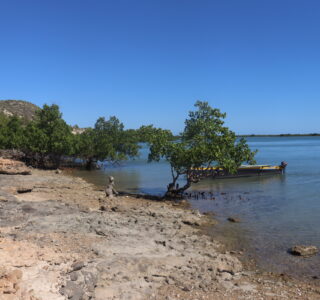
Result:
{"points": [[276, 212]]}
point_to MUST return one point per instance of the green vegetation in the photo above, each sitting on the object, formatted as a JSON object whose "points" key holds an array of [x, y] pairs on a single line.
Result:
{"points": [[11, 132], [48, 136], [205, 141], [107, 141], [47, 140]]}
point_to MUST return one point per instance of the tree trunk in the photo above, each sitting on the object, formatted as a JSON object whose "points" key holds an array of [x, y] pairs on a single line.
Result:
{"points": [[176, 192], [57, 161], [41, 162], [89, 164]]}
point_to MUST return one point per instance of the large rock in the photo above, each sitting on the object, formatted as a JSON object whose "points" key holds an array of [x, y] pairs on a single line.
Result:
{"points": [[13, 167], [12, 154], [305, 251]]}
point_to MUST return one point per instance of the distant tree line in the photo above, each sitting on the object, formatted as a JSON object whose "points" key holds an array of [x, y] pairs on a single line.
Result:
{"points": [[47, 140]]}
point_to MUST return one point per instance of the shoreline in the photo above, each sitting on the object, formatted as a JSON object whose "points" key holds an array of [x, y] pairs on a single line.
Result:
{"points": [[56, 243]]}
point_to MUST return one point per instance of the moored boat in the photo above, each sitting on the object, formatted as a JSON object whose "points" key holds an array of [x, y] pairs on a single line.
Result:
{"points": [[243, 171]]}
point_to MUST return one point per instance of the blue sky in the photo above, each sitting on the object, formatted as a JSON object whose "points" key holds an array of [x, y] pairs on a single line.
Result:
{"points": [[147, 62]]}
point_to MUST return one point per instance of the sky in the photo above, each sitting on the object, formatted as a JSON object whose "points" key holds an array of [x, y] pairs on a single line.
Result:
{"points": [[148, 62]]}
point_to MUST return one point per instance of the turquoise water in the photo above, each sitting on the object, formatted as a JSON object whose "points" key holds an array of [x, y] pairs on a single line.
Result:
{"points": [[276, 212]]}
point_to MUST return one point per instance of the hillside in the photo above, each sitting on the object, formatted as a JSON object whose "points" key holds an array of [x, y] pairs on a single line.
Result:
{"points": [[23, 109]]}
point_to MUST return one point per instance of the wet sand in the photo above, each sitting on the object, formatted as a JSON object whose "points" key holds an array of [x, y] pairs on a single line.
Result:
{"points": [[56, 243]]}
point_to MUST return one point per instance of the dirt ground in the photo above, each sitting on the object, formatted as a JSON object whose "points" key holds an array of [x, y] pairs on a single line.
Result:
{"points": [[56, 243]]}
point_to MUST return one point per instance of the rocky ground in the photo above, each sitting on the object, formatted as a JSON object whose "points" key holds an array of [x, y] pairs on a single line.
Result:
{"points": [[56, 243]]}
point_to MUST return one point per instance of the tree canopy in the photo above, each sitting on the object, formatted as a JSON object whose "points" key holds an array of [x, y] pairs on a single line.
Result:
{"points": [[47, 138], [107, 141], [205, 142], [49, 135]]}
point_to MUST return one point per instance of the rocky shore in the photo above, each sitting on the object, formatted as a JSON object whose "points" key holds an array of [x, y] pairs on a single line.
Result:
{"points": [[56, 243]]}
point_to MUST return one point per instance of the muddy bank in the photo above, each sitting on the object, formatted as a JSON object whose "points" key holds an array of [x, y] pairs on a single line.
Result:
{"points": [[56, 244]]}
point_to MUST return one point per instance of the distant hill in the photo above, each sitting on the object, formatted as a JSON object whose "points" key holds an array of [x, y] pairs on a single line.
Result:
{"points": [[20, 108]]}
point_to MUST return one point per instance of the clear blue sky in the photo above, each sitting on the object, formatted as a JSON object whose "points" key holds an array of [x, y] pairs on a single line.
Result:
{"points": [[147, 62]]}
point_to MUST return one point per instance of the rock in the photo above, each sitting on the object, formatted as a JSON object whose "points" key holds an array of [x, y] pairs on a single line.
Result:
{"points": [[58, 171], [170, 281], [13, 167], [305, 251], [22, 190], [14, 275], [72, 291], [28, 208], [100, 231], [163, 243], [78, 265], [90, 280], [228, 263], [191, 221], [3, 199], [186, 288], [74, 276], [225, 276], [110, 190], [12, 154], [234, 220]]}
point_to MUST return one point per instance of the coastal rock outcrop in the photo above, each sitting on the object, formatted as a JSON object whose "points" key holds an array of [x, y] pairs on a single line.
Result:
{"points": [[57, 244], [13, 167]]}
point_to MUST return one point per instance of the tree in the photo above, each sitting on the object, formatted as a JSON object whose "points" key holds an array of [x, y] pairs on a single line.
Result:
{"points": [[205, 142], [107, 141], [11, 132], [48, 135]]}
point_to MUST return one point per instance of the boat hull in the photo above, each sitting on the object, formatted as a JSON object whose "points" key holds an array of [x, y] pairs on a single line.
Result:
{"points": [[243, 171]]}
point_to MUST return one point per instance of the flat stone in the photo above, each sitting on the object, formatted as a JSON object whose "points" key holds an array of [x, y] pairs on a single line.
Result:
{"points": [[13, 167]]}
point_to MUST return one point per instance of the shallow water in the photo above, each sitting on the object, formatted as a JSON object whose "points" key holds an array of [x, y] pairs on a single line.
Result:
{"points": [[276, 211]]}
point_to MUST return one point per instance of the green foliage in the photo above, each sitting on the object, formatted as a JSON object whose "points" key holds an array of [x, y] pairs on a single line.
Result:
{"points": [[150, 134], [107, 141], [205, 141], [11, 132], [49, 135]]}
